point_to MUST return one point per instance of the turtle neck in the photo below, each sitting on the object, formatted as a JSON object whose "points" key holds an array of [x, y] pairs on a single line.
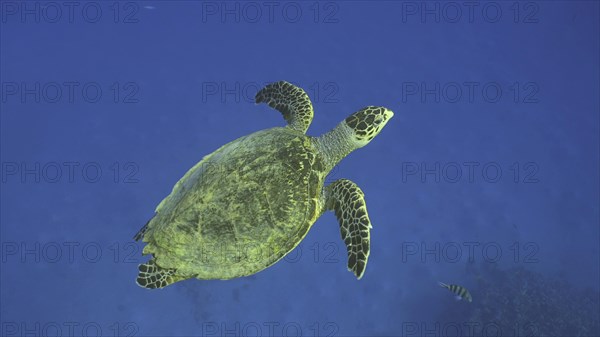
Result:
{"points": [[335, 144]]}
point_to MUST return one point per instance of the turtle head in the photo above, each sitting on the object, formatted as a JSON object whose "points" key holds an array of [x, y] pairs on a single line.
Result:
{"points": [[352, 133], [365, 124]]}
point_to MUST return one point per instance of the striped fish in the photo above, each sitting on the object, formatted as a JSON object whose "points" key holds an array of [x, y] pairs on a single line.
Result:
{"points": [[461, 292]]}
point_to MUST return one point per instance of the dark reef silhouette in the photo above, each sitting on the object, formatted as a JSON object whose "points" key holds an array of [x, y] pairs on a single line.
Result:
{"points": [[521, 302]]}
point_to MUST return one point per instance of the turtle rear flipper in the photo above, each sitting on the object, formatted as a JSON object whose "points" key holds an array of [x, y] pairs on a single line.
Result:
{"points": [[293, 103], [152, 276], [347, 200], [140, 234]]}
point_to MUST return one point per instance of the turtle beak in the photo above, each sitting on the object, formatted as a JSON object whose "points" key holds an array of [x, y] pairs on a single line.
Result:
{"points": [[388, 114]]}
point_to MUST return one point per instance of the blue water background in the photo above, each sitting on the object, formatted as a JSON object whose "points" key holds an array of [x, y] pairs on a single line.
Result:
{"points": [[358, 53]]}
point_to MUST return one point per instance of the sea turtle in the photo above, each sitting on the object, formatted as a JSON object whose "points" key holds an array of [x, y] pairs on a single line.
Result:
{"points": [[245, 206]]}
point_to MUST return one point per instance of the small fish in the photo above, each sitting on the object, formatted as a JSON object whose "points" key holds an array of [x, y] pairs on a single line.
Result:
{"points": [[461, 292]]}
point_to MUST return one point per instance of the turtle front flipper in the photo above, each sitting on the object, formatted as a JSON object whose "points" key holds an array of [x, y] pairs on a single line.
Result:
{"points": [[152, 276], [293, 103], [347, 200]]}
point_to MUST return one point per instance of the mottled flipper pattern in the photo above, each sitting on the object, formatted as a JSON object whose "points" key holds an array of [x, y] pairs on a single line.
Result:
{"points": [[347, 200], [291, 101], [152, 276]]}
